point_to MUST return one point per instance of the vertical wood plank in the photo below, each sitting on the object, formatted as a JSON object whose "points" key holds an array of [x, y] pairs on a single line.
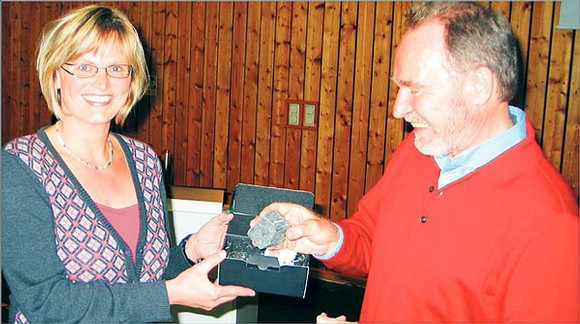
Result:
{"points": [[555, 116], [143, 111], [182, 107], [17, 37], [379, 93], [327, 105], [209, 94], [24, 71], [251, 64], [312, 75], [169, 86], [196, 81], [280, 94], [571, 150], [265, 75], [395, 127], [502, 7], [8, 66], [538, 55], [296, 92], [155, 129], [38, 114], [344, 106], [234, 143], [361, 102], [520, 21], [224, 67], [132, 11], [50, 11]]}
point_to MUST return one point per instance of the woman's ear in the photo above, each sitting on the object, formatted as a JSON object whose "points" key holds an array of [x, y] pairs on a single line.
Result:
{"points": [[481, 84], [57, 80]]}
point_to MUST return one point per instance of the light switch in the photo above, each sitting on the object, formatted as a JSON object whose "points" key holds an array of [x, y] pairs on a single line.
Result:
{"points": [[294, 114], [309, 114]]}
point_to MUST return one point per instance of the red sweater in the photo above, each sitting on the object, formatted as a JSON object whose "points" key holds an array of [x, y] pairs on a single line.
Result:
{"points": [[498, 245]]}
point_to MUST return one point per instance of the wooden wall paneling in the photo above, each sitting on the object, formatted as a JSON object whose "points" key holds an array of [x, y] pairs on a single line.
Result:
{"points": [[558, 87], [361, 102], [312, 68], [224, 70], [265, 90], [571, 149], [155, 127], [293, 150], [184, 53], [327, 105], [502, 7], [280, 93], [131, 9], [10, 67], [234, 144], [209, 94], [395, 127], [17, 36], [379, 93], [170, 77], [239, 65], [143, 110], [344, 103], [34, 93], [520, 21], [249, 106], [195, 92], [23, 75], [538, 56]]}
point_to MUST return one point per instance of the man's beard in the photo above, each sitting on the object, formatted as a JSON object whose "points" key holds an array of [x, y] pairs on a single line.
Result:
{"points": [[445, 140]]}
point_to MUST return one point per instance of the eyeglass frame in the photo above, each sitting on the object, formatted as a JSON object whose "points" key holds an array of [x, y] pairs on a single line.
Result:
{"points": [[129, 70]]}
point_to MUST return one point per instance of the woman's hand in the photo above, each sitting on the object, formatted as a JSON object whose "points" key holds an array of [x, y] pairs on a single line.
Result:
{"points": [[209, 239], [193, 288]]}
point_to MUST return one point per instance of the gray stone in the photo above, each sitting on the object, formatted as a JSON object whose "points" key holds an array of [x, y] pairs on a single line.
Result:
{"points": [[269, 230]]}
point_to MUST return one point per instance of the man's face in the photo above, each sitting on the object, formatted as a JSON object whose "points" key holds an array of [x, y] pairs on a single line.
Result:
{"points": [[430, 95]]}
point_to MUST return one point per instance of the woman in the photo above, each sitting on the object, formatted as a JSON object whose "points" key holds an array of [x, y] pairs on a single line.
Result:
{"points": [[83, 209]]}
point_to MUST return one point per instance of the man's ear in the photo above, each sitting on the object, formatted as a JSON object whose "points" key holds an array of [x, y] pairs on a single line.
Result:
{"points": [[481, 85]]}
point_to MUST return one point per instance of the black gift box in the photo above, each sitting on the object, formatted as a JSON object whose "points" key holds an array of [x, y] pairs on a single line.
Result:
{"points": [[245, 264]]}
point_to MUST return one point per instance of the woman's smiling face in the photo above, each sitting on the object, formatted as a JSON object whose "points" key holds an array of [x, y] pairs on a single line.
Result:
{"points": [[97, 99]]}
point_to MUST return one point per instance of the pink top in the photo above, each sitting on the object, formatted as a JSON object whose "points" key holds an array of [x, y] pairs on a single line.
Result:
{"points": [[126, 222]]}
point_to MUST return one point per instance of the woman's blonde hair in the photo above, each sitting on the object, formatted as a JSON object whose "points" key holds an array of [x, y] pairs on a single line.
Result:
{"points": [[84, 30]]}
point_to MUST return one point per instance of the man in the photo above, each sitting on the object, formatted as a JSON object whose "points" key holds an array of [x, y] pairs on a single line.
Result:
{"points": [[470, 222]]}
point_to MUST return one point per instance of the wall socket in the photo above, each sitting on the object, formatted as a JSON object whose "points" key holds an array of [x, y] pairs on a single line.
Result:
{"points": [[302, 114]]}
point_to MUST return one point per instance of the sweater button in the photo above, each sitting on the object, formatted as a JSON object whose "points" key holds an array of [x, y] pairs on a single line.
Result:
{"points": [[431, 189], [423, 219]]}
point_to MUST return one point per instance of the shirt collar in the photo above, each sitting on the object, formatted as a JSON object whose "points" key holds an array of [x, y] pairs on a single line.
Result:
{"points": [[453, 169]]}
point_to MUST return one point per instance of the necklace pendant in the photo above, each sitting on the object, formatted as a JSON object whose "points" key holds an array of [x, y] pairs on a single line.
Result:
{"points": [[79, 159]]}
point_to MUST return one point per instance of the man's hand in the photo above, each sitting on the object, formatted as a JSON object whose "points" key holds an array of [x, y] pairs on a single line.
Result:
{"points": [[309, 233], [193, 288], [324, 319]]}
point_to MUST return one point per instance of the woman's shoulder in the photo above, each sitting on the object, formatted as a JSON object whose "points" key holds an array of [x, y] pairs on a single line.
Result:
{"points": [[135, 146], [23, 144]]}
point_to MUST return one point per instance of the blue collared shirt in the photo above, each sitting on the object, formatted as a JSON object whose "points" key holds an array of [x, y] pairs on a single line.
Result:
{"points": [[453, 169]]}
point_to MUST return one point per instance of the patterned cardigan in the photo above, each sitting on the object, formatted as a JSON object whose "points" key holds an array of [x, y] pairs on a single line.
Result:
{"points": [[62, 259]]}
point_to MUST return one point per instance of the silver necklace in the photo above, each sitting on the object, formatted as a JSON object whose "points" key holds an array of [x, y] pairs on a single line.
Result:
{"points": [[81, 161]]}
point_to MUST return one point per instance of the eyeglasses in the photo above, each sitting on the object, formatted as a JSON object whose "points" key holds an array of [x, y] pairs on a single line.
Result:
{"points": [[84, 70]]}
